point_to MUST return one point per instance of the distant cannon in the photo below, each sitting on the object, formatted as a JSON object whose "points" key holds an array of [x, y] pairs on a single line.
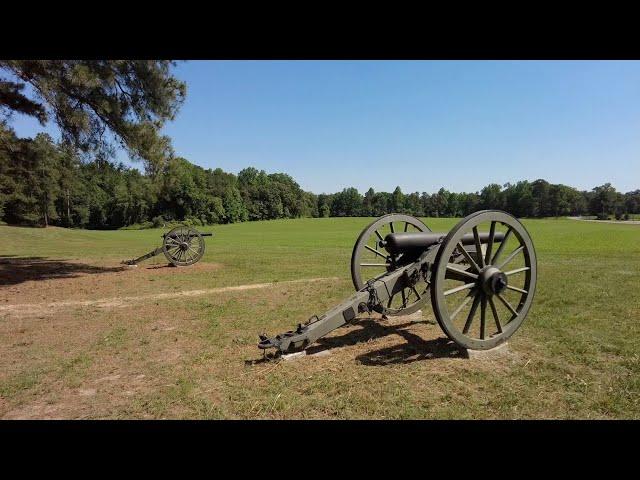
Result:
{"points": [[397, 263], [182, 246]]}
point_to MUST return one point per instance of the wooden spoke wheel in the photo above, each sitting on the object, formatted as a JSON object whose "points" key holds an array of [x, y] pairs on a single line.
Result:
{"points": [[183, 246], [370, 260], [481, 301]]}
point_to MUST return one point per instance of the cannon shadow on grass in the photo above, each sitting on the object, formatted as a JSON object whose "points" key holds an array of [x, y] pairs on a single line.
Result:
{"points": [[15, 270], [413, 349]]}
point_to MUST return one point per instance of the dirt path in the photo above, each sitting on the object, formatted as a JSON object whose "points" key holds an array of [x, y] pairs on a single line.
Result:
{"points": [[618, 222], [28, 309]]}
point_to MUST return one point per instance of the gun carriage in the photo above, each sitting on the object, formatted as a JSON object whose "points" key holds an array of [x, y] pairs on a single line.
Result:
{"points": [[182, 246], [487, 262]]}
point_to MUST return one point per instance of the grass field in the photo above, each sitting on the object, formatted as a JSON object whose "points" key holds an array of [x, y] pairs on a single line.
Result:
{"points": [[82, 337]]}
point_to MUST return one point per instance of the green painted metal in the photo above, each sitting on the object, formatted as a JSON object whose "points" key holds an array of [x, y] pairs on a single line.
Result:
{"points": [[492, 281], [182, 246], [409, 299], [459, 266]]}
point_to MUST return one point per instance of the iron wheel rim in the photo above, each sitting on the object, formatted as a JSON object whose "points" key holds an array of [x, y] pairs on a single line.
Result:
{"points": [[174, 246], [360, 279], [478, 296]]}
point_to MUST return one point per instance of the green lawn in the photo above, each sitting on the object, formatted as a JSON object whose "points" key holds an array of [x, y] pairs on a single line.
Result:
{"points": [[576, 356]]}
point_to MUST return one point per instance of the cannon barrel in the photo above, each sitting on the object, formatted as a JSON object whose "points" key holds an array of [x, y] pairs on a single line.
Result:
{"points": [[190, 235], [403, 242]]}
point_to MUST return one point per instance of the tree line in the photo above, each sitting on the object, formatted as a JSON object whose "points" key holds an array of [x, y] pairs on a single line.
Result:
{"points": [[48, 183], [99, 105]]}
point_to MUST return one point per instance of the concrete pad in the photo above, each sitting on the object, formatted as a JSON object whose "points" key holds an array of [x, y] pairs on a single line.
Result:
{"points": [[497, 352], [298, 355], [293, 356], [321, 353]]}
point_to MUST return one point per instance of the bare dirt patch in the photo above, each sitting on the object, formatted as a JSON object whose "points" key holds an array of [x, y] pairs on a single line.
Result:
{"points": [[25, 280], [619, 222], [43, 309], [185, 357]]}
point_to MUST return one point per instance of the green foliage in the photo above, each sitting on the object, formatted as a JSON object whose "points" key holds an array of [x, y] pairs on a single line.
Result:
{"points": [[44, 183], [129, 99], [347, 203], [158, 222], [100, 104]]}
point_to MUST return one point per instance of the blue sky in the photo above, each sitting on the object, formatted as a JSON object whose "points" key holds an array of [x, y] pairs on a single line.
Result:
{"points": [[421, 125]]}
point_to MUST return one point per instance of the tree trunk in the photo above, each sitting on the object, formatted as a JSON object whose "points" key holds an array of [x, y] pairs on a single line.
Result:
{"points": [[68, 209], [44, 210]]}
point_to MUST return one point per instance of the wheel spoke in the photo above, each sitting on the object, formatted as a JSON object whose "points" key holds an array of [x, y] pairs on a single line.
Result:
{"points": [[379, 236], [483, 313], [468, 257], [516, 289], [375, 264], [460, 288], [507, 304], [492, 232], [391, 227], [495, 314], [501, 247], [462, 272], [481, 248], [406, 225], [476, 239], [462, 305], [404, 298], [472, 312], [375, 251], [517, 270], [510, 257]]}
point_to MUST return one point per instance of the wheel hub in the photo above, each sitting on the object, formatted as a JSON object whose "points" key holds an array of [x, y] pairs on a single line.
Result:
{"points": [[493, 280]]}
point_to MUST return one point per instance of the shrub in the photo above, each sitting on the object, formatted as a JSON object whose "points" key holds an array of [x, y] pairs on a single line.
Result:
{"points": [[138, 226], [191, 222], [158, 221]]}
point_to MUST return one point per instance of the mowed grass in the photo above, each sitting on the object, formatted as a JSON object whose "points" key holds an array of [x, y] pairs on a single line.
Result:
{"points": [[576, 356]]}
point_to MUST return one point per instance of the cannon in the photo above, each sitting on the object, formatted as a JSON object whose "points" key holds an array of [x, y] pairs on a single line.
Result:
{"points": [[487, 262], [182, 246]]}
